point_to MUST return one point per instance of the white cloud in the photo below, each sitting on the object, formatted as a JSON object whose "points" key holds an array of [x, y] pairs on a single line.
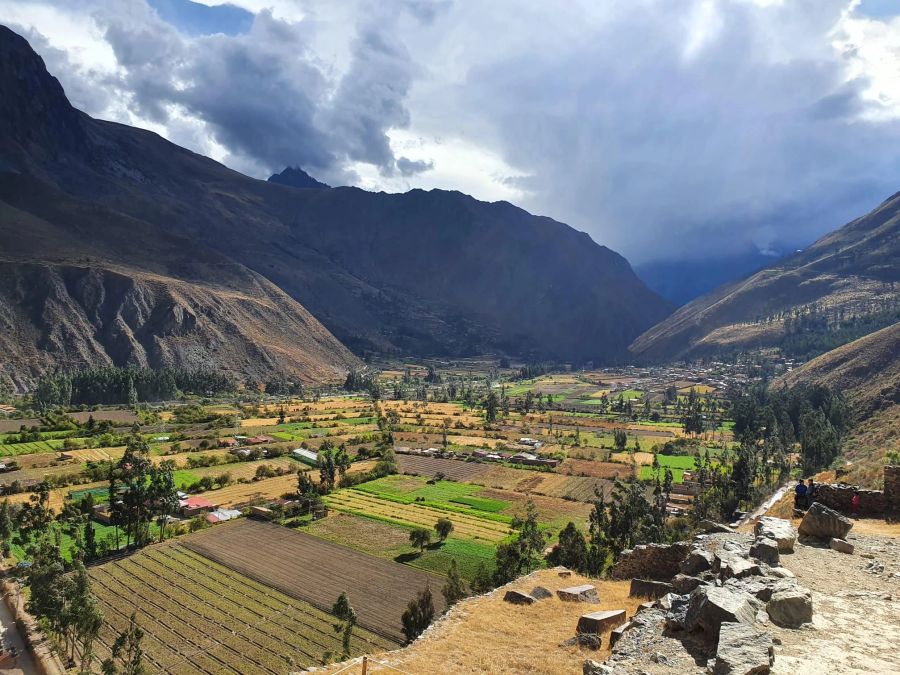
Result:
{"points": [[661, 128]]}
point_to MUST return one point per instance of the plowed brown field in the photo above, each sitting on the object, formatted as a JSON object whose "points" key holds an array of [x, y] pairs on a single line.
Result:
{"points": [[317, 571]]}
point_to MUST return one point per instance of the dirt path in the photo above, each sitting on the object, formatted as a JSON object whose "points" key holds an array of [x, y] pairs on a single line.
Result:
{"points": [[856, 611], [23, 663]]}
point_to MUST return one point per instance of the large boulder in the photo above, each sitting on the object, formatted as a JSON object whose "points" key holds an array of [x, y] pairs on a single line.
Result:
{"points": [[765, 549], [698, 560], [761, 588], [647, 588], [599, 622], [676, 616], [732, 564], [821, 522], [518, 598], [584, 593], [743, 650], [778, 529], [684, 584], [790, 608], [540, 593], [711, 606]]}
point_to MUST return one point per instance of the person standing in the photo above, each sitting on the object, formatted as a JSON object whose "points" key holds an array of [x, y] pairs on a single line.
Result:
{"points": [[800, 495], [812, 492]]}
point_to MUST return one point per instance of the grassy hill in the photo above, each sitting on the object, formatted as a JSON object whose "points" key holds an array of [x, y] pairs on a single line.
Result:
{"points": [[867, 371], [843, 286]]}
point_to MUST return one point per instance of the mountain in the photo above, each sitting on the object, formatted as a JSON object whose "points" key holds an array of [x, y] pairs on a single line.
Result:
{"points": [[294, 176], [839, 288], [680, 281], [867, 371], [82, 283], [419, 273]]}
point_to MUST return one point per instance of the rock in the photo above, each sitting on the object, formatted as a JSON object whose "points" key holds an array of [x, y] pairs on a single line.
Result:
{"points": [[540, 593], [618, 632], [762, 588], [711, 606], [790, 608], [677, 614], [841, 545], [733, 547], [731, 564], [645, 605], [583, 640], [665, 602], [778, 529], [598, 622], [821, 522], [711, 527], [647, 588], [697, 561], [563, 572], [660, 658], [743, 650], [683, 584], [585, 593], [765, 549], [592, 667], [518, 598], [781, 572]]}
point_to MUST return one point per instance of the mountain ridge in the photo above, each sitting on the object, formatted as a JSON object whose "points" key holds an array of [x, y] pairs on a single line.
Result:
{"points": [[420, 273], [850, 272]]}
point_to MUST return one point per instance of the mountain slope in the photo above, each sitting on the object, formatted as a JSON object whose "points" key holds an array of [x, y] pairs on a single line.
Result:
{"points": [[82, 284], [867, 371], [849, 274], [422, 272]]}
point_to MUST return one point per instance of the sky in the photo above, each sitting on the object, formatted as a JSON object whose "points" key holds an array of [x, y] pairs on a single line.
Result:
{"points": [[666, 129]]}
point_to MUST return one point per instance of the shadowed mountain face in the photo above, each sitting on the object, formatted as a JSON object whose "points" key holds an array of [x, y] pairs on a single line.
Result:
{"points": [[847, 279], [294, 176], [422, 272]]}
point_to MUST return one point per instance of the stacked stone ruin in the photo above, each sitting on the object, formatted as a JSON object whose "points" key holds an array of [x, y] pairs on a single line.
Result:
{"points": [[872, 503]]}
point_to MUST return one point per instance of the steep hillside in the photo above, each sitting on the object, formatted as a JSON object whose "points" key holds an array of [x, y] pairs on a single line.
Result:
{"points": [[423, 272], [868, 372], [847, 279], [68, 301]]}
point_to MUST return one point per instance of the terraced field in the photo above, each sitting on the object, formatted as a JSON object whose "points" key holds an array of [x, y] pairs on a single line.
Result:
{"points": [[451, 468], [465, 525], [317, 571], [202, 617]]}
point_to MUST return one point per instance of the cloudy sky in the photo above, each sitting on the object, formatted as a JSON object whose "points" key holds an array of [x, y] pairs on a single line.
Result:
{"points": [[664, 128]]}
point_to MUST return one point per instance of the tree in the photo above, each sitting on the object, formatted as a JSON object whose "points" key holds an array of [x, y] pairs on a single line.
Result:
{"points": [[86, 617], [454, 590], [482, 582], [443, 527], [347, 620], [342, 461], [6, 528], [521, 555], [281, 415], [327, 467], [127, 651], [163, 494], [572, 549], [418, 615], [420, 537], [491, 403], [387, 464], [136, 499], [620, 439]]}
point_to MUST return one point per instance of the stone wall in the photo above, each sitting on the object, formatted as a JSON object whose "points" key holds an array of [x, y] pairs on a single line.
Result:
{"points": [[892, 490], [840, 498], [659, 562]]}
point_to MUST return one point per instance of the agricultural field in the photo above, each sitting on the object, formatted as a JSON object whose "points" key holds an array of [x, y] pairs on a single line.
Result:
{"points": [[390, 541], [485, 526], [202, 617], [316, 571]]}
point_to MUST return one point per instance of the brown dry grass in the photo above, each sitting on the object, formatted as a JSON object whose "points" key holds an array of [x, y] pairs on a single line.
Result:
{"points": [[486, 635]]}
